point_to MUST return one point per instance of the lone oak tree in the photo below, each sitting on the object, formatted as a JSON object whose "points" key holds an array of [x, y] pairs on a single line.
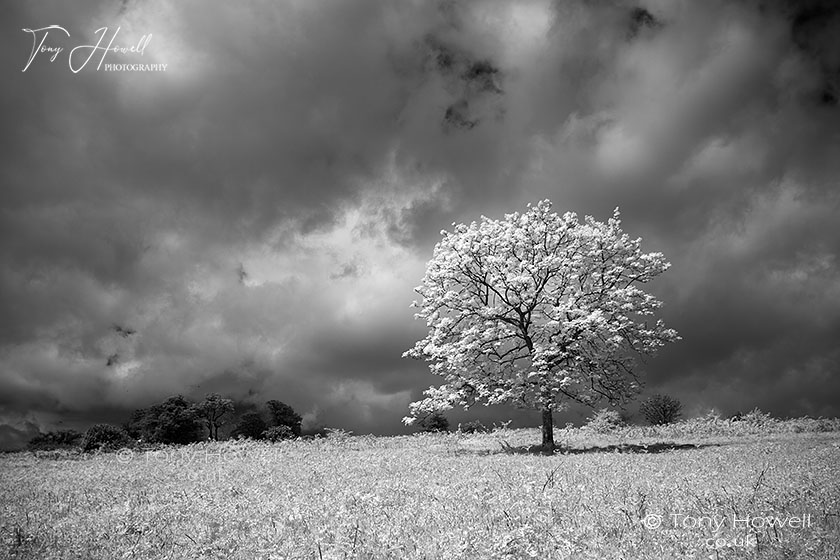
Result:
{"points": [[537, 310]]}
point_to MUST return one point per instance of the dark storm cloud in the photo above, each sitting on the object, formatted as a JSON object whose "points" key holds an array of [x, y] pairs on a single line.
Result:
{"points": [[258, 214]]}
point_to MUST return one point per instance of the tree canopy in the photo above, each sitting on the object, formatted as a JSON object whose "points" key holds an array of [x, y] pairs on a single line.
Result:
{"points": [[282, 414], [172, 421], [213, 411], [251, 425], [537, 310]]}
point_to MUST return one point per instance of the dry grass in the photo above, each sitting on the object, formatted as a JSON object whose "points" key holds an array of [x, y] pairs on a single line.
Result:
{"points": [[431, 496]]}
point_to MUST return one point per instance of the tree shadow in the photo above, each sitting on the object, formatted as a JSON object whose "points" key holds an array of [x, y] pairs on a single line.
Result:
{"points": [[641, 448]]}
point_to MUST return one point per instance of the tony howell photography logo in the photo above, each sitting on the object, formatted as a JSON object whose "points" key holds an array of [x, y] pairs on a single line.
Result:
{"points": [[53, 42]]}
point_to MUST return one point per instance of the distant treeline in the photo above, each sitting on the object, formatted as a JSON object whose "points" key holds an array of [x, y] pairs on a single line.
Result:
{"points": [[178, 420]]}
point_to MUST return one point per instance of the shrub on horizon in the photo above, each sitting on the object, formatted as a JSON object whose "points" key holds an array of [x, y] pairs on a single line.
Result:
{"points": [[434, 422], [605, 421], [278, 433], [59, 439], [475, 426], [757, 418], [105, 437], [338, 434]]}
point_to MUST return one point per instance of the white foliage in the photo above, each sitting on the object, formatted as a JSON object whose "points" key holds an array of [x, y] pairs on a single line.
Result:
{"points": [[536, 309]]}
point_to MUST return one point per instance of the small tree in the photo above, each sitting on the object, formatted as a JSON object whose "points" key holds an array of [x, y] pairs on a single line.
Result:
{"points": [[282, 414], [251, 425], [537, 310], [434, 422], [213, 410], [659, 410]]}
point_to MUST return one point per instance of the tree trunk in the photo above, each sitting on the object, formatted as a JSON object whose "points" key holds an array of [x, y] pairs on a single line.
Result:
{"points": [[547, 430]]}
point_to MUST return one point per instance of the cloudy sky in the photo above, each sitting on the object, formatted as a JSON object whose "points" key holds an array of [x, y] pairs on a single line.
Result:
{"points": [[252, 219]]}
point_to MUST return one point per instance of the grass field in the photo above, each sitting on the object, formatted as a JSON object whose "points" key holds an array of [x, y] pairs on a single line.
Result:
{"points": [[677, 492]]}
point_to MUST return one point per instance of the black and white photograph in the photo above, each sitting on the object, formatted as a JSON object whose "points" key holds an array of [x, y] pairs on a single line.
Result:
{"points": [[420, 279]]}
